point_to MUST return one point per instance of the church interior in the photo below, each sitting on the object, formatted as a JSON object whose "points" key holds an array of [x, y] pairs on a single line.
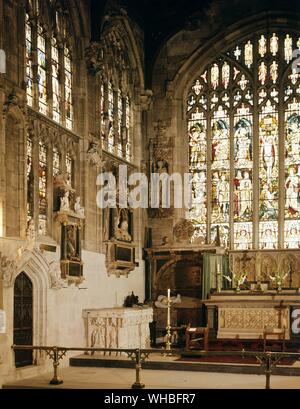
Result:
{"points": [[150, 194]]}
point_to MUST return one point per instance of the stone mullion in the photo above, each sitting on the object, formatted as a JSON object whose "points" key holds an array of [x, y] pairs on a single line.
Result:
{"points": [[281, 163], [209, 178], [49, 188], [62, 85], [115, 123], [35, 104], [35, 165], [22, 141], [231, 179], [105, 113], [49, 90], [2, 164], [123, 126], [256, 163]]}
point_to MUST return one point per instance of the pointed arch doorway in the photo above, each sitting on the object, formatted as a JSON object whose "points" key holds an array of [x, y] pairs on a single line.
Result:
{"points": [[23, 319]]}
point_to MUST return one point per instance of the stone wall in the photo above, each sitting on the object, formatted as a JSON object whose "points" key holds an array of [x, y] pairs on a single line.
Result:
{"points": [[58, 304]]}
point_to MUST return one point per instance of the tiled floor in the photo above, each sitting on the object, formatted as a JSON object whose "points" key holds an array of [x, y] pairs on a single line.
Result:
{"points": [[115, 378]]}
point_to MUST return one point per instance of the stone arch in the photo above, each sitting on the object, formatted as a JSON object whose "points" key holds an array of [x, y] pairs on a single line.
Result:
{"points": [[118, 29], [205, 53], [34, 264], [167, 268]]}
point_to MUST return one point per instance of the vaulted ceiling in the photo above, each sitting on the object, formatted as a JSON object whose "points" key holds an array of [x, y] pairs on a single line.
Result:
{"points": [[160, 19]]}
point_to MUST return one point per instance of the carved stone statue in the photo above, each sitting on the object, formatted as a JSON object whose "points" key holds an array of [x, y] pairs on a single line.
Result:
{"points": [[78, 208], [122, 232], [55, 275], [7, 268], [93, 155], [122, 226], [31, 234], [65, 202]]}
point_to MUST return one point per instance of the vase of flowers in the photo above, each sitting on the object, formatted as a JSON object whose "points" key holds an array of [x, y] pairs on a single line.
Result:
{"points": [[237, 280], [278, 278]]}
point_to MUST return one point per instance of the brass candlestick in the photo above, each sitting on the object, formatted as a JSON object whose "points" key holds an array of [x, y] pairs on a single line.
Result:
{"points": [[218, 276], [168, 327]]}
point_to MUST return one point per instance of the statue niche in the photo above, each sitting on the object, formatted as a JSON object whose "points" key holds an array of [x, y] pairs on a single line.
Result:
{"points": [[118, 239], [70, 215]]}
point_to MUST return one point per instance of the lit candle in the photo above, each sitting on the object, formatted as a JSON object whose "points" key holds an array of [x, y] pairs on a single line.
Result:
{"points": [[169, 293]]}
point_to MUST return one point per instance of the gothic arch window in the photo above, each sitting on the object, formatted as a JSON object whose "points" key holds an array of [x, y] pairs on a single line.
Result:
{"points": [[69, 169], [56, 161], [243, 112], [49, 87], [116, 123]]}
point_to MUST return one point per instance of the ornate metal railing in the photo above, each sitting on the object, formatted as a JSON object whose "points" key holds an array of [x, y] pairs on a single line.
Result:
{"points": [[267, 360]]}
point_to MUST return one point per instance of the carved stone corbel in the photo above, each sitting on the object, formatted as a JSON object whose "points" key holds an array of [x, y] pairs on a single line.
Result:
{"points": [[146, 98]]}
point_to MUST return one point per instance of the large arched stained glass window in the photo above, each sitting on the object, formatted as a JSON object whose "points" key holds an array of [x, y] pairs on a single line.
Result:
{"points": [[243, 114]]}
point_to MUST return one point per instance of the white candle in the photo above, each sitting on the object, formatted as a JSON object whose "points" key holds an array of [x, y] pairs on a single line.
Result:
{"points": [[169, 293]]}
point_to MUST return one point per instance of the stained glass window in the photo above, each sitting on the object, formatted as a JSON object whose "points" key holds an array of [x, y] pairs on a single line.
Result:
{"points": [[42, 189], [120, 124], [56, 162], [42, 73], [268, 169], [54, 69], [111, 111], [56, 91], [68, 88], [69, 169], [102, 115], [29, 71], [292, 174], [128, 146], [229, 181]]}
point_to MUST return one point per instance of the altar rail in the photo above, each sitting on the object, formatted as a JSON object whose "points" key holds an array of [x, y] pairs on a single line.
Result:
{"points": [[267, 360]]}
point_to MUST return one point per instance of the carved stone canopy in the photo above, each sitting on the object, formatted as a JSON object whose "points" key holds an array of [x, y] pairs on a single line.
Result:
{"points": [[94, 56]]}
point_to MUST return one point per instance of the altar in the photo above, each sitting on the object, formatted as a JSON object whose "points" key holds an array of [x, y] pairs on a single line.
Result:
{"points": [[246, 315], [118, 327]]}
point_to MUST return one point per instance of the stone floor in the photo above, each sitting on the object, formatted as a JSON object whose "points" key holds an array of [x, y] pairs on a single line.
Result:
{"points": [[116, 378]]}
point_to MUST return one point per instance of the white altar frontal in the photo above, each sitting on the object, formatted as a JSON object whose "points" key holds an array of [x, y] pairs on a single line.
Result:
{"points": [[246, 315], [123, 328]]}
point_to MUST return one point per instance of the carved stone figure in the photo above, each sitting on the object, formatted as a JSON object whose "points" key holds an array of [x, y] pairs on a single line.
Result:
{"points": [[122, 226], [93, 155], [7, 268], [78, 208], [31, 235], [55, 275], [98, 333], [65, 202]]}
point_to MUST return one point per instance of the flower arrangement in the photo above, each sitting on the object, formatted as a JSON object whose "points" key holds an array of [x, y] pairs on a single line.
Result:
{"points": [[237, 280], [278, 278]]}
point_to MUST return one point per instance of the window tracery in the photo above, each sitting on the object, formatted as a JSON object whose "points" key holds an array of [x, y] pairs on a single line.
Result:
{"points": [[241, 88]]}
